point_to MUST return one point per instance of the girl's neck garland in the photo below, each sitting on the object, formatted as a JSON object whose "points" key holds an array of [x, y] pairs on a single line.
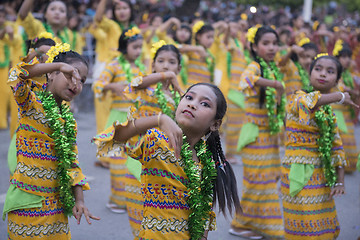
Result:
{"points": [[325, 120], [200, 186], [126, 66], [210, 62], [276, 119], [64, 135], [6, 61], [305, 80], [63, 37], [165, 108]]}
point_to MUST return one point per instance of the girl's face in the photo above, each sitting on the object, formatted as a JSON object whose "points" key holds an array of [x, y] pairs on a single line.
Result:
{"points": [[182, 35], [196, 111], [323, 75], [285, 38], [345, 61], [134, 49], [56, 13], [206, 39], [62, 87], [122, 12], [157, 21], [166, 61], [267, 46], [306, 58], [299, 22]]}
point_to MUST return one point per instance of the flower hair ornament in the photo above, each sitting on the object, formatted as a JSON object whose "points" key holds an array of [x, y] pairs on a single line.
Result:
{"points": [[197, 26], [243, 16], [132, 33], [55, 50], [338, 47], [303, 41], [155, 47], [321, 55], [252, 32]]}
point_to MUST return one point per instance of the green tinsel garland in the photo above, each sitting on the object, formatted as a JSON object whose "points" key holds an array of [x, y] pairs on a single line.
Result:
{"points": [[349, 82], [126, 66], [163, 102], [64, 138], [276, 119], [63, 38], [200, 186], [305, 80], [73, 46], [6, 61], [210, 62], [325, 120], [183, 72], [247, 56]]}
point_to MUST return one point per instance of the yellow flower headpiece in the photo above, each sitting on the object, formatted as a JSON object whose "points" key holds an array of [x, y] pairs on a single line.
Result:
{"points": [[46, 35], [321, 55], [251, 33], [55, 50], [197, 26], [132, 32], [338, 47], [315, 25], [243, 16], [303, 41], [336, 29], [155, 47]]}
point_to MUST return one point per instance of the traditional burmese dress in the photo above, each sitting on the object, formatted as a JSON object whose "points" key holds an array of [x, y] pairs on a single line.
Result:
{"points": [[32, 202], [260, 198], [235, 113], [163, 180], [310, 214], [120, 105], [348, 134], [145, 103]]}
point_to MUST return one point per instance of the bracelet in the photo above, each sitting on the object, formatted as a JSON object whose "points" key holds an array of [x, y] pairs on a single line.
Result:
{"points": [[158, 119], [133, 123], [163, 76], [342, 98], [339, 184]]}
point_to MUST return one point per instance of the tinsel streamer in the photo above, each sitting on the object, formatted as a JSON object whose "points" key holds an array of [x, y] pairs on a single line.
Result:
{"points": [[210, 62], [183, 72], [200, 186], [64, 140], [126, 67], [276, 119], [228, 64], [163, 102], [325, 120], [305, 80]]}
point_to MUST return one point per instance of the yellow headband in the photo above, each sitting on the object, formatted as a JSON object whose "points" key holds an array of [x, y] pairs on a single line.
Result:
{"points": [[321, 55], [155, 47], [197, 26], [251, 33], [338, 47], [303, 41], [132, 32], [46, 35], [55, 50]]}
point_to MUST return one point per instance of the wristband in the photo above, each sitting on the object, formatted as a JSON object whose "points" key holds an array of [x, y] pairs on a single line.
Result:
{"points": [[159, 116], [342, 98]]}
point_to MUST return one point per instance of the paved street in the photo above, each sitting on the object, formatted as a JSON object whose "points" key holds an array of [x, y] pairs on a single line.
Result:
{"points": [[115, 226]]}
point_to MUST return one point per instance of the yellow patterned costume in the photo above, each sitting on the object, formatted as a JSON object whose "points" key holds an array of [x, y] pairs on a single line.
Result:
{"points": [[291, 78], [260, 200], [163, 180], [310, 214], [114, 73], [35, 175]]}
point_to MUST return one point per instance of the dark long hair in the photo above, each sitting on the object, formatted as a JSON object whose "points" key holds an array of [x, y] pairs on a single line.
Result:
{"points": [[259, 33], [170, 48], [339, 68], [124, 40], [38, 42], [225, 190]]}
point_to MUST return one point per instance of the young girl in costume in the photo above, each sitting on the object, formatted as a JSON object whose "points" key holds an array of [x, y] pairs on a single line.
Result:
{"points": [[182, 175], [116, 76], [312, 169], [55, 15], [236, 64], [47, 185], [343, 53], [264, 114], [151, 94], [295, 65]]}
